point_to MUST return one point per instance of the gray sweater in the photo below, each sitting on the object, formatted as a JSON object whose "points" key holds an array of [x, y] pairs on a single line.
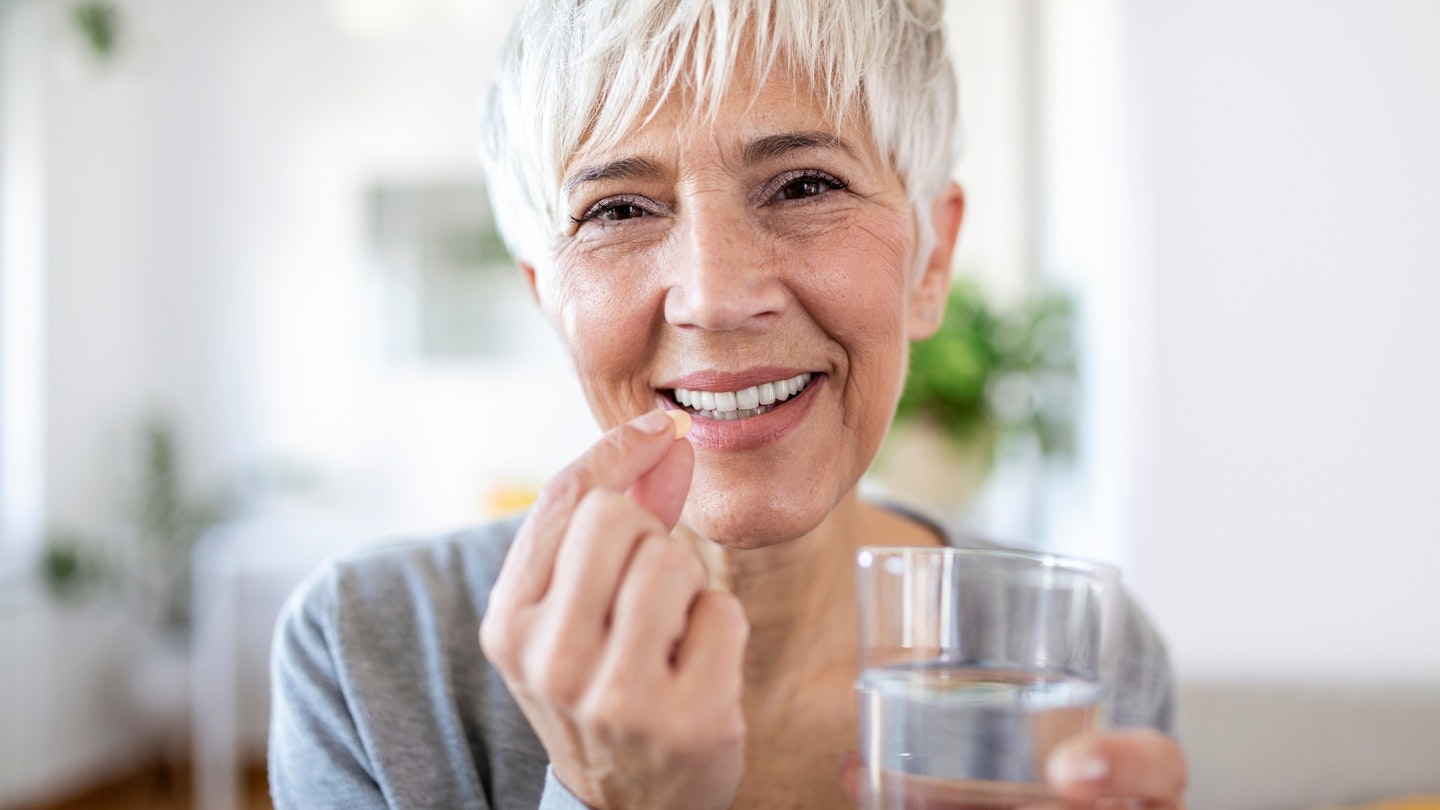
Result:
{"points": [[383, 698]]}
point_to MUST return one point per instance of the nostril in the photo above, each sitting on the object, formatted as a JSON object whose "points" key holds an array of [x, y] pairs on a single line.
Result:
{"points": [[725, 305]]}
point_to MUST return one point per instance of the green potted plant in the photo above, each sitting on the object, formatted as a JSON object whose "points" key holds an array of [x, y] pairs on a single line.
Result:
{"points": [[150, 574], [989, 381], [100, 25]]}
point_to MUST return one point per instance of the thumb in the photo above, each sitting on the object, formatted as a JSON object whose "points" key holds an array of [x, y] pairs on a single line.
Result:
{"points": [[662, 489]]}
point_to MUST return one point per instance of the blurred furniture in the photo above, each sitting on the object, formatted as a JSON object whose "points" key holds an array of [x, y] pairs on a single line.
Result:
{"points": [[1408, 803], [242, 576], [1299, 747]]}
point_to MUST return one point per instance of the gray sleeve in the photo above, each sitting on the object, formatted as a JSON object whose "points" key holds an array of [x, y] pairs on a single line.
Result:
{"points": [[325, 751], [317, 758], [557, 796], [1145, 691]]}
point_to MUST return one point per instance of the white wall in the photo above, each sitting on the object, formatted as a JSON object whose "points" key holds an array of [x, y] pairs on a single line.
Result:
{"points": [[1284, 521], [64, 709]]}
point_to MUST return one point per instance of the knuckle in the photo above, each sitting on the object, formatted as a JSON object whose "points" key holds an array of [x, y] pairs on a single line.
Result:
{"points": [[494, 640], [621, 441], [600, 503], [720, 729], [728, 726], [600, 514], [554, 682], [667, 554], [649, 556], [499, 641], [564, 491], [659, 557]]}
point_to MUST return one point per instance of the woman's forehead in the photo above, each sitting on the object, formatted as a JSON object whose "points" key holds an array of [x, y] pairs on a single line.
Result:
{"points": [[749, 125]]}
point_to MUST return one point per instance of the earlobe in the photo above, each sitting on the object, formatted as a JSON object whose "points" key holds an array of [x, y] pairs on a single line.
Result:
{"points": [[927, 305]]}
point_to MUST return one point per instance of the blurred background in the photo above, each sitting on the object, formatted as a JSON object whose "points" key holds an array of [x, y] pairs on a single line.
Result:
{"points": [[253, 312]]}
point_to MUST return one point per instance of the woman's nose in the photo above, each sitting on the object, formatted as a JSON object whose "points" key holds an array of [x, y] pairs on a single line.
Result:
{"points": [[725, 276]]}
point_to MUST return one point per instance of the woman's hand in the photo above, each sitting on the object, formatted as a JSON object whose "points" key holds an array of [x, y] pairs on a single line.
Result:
{"points": [[1118, 770], [1123, 769], [623, 660]]}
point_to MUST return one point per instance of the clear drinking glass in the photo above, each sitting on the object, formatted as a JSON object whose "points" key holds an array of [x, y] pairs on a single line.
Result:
{"points": [[974, 664]]}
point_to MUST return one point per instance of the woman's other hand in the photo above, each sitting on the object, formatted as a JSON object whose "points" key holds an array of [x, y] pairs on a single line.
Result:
{"points": [[1120, 770], [603, 626], [1133, 768]]}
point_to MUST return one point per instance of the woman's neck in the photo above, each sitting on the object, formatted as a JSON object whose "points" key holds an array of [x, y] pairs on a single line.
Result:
{"points": [[800, 595]]}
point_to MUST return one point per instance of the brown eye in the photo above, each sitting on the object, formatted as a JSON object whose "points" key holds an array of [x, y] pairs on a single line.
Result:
{"points": [[616, 209], [621, 211], [804, 187]]}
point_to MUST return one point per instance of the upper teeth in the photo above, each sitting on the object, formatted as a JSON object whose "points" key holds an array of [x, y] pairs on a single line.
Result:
{"points": [[730, 403]]}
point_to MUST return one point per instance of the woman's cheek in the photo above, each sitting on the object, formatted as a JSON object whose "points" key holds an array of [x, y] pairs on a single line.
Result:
{"points": [[861, 284], [589, 294], [888, 243], [598, 310]]}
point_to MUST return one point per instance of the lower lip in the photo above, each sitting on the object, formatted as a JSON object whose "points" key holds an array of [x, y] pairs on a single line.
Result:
{"points": [[757, 431]]}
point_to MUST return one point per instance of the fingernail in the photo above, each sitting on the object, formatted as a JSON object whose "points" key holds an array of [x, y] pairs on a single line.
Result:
{"points": [[682, 422], [667, 421], [655, 423], [1078, 768]]}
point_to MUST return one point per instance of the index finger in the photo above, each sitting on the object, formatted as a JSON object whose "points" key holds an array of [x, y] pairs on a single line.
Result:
{"points": [[615, 462], [1134, 764]]}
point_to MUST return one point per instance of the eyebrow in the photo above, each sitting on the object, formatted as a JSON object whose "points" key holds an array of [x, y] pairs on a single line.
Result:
{"points": [[629, 168], [775, 146], [759, 150]]}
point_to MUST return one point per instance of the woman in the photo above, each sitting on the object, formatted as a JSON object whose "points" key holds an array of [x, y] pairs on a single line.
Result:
{"points": [[738, 215]]}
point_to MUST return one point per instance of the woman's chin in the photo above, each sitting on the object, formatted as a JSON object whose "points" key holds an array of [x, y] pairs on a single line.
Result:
{"points": [[737, 524]]}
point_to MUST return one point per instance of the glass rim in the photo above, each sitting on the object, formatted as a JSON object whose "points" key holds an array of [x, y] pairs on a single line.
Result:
{"points": [[1042, 559]]}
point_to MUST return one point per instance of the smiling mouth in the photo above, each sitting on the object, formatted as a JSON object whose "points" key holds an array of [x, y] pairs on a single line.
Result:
{"points": [[743, 404]]}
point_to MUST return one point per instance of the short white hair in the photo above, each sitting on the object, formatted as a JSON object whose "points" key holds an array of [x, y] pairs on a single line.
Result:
{"points": [[578, 73]]}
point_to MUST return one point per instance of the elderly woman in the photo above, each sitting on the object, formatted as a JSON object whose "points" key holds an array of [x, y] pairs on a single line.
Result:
{"points": [[738, 215]]}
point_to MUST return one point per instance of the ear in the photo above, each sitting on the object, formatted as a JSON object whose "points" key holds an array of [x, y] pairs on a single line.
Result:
{"points": [[528, 271], [932, 289]]}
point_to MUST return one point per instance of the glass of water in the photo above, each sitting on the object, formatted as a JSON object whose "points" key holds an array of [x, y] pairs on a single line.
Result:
{"points": [[974, 664]]}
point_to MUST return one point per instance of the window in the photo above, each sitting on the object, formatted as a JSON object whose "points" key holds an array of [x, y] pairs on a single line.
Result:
{"points": [[21, 287]]}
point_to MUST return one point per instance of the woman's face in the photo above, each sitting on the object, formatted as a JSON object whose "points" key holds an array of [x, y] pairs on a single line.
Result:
{"points": [[759, 271]]}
